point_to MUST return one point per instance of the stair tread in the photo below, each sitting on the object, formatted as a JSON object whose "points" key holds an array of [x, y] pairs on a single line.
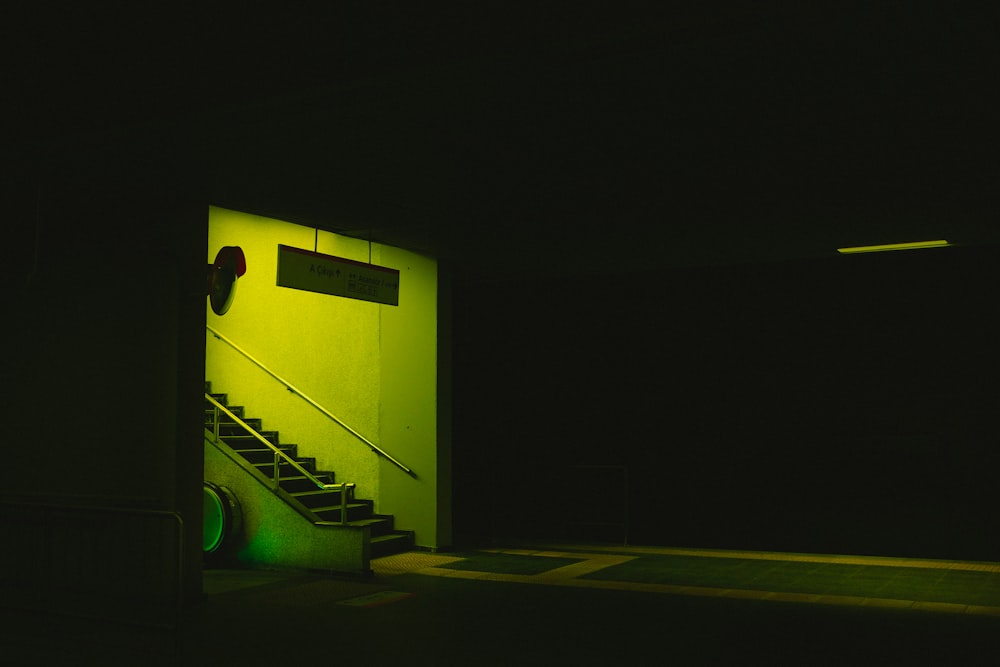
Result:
{"points": [[259, 449], [366, 522], [389, 537], [284, 462], [325, 508], [236, 439], [311, 492]]}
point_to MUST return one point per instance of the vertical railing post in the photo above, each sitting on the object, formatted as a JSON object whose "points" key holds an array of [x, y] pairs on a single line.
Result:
{"points": [[215, 421], [277, 470], [343, 503]]}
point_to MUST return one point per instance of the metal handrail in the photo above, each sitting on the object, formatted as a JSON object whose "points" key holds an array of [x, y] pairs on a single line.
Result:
{"points": [[375, 448], [278, 454], [41, 503]]}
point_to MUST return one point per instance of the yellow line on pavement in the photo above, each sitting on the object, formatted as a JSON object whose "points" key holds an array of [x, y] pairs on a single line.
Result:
{"points": [[838, 559], [588, 563]]}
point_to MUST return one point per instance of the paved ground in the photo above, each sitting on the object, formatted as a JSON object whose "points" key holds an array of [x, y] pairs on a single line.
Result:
{"points": [[559, 605]]}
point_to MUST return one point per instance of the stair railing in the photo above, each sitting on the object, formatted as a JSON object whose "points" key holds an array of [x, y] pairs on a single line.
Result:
{"points": [[219, 409], [375, 448]]}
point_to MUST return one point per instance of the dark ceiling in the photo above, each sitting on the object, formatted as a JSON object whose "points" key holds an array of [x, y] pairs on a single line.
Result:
{"points": [[541, 139]]}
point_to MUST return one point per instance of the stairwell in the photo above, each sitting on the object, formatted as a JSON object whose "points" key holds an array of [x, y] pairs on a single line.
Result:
{"points": [[326, 509]]}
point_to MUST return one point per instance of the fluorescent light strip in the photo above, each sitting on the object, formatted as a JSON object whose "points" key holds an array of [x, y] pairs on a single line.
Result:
{"points": [[916, 245]]}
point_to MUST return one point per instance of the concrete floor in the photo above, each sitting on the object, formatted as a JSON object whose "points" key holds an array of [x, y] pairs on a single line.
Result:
{"points": [[556, 605]]}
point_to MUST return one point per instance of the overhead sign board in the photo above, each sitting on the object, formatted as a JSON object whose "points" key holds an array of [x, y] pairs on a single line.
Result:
{"points": [[326, 274]]}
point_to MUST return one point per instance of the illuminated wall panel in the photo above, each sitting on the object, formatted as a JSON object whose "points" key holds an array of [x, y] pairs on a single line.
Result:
{"points": [[331, 349], [408, 424]]}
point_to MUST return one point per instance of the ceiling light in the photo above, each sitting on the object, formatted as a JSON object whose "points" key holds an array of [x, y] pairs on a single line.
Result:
{"points": [[916, 245]]}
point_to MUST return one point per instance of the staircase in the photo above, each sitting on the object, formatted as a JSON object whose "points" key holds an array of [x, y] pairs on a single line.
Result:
{"points": [[321, 506]]}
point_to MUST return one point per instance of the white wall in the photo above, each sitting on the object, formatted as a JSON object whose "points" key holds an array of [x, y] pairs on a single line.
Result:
{"points": [[408, 422]]}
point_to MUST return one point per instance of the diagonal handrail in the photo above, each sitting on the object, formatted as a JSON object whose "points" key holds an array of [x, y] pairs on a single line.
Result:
{"points": [[375, 448], [278, 453]]}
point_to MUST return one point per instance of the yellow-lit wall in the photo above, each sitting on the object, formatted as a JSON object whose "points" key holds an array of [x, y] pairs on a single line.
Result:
{"points": [[372, 366], [408, 424]]}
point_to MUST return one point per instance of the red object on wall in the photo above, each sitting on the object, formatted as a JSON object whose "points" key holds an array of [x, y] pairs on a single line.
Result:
{"points": [[230, 263]]}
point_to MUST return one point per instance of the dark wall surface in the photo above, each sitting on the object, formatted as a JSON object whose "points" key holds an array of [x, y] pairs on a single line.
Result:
{"points": [[835, 405], [104, 315]]}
